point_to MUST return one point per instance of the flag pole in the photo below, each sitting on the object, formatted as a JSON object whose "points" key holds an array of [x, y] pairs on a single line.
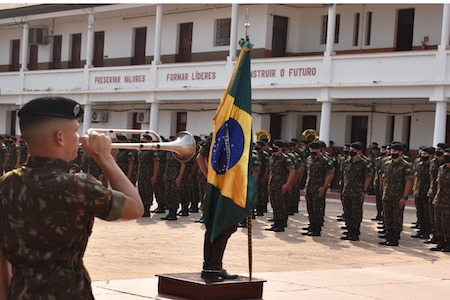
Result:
{"points": [[250, 248], [249, 218]]}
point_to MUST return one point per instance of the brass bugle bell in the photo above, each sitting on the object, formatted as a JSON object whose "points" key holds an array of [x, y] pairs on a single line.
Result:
{"points": [[183, 146]]}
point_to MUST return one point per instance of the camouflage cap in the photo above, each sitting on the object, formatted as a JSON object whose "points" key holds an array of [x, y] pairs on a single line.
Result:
{"points": [[58, 107]]}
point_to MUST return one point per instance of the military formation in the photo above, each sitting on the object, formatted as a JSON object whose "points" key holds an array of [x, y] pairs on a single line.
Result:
{"points": [[12, 155], [282, 170]]}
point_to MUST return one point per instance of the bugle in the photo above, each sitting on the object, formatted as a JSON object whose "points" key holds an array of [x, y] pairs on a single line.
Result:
{"points": [[183, 146]]}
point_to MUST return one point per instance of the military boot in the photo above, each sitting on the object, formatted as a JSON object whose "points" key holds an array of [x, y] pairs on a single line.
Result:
{"points": [[316, 228], [393, 241], [446, 247], [440, 244], [184, 210], [146, 213], [387, 237]]}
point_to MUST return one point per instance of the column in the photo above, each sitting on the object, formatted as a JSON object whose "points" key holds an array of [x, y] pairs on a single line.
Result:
{"points": [[87, 117], [154, 116], [325, 122], [158, 34], [90, 40], [25, 34], [445, 27], [440, 122], [331, 28]]}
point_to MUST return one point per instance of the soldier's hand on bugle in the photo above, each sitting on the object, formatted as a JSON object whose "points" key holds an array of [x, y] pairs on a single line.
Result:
{"points": [[95, 144]]}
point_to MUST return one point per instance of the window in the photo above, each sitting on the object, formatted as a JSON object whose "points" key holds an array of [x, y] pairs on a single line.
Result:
{"points": [[181, 121], [15, 55], [140, 40], [356, 29], [56, 53], [323, 35], [368, 28], [223, 32], [309, 122], [75, 57], [99, 42], [359, 129], [33, 57]]}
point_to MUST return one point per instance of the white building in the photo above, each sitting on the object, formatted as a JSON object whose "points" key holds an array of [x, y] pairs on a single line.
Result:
{"points": [[370, 72]]}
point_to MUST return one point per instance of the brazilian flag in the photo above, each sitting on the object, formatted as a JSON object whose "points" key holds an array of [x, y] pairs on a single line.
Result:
{"points": [[231, 189]]}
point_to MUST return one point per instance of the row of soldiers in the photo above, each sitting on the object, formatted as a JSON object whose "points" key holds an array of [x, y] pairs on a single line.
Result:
{"points": [[280, 167], [12, 155], [158, 174], [431, 192]]}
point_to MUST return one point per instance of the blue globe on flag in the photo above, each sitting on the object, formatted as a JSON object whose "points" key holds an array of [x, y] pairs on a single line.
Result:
{"points": [[228, 146]]}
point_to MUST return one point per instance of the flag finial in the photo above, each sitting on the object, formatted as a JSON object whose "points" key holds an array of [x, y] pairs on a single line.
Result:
{"points": [[247, 24]]}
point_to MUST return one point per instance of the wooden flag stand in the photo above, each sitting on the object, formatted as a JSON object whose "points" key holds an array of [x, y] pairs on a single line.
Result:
{"points": [[192, 286]]}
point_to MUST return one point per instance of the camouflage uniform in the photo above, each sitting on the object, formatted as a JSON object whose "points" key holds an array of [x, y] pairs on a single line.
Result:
{"points": [[146, 161], [187, 190], [377, 185], [91, 167], [196, 198], [23, 152], [395, 175], [3, 157], [317, 169], [14, 154], [294, 196], [202, 180], [442, 204], [123, 159], [76, 164], [422, 175], [434, 169], [280, 166], [160, 190], [134, 153], [263, 158], [173, 192], [354, 175], [46, 217]]}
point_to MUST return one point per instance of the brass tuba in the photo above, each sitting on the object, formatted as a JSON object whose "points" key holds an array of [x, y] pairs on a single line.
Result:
{"points": [[310, 135], [262, 133]]}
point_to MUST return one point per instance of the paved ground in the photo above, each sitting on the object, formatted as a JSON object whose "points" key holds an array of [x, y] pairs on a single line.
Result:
{"points": [[123, 258]]}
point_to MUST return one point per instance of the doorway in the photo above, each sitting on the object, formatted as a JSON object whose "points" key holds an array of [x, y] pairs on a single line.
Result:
{"points": [[185, 43], [405, 29]]}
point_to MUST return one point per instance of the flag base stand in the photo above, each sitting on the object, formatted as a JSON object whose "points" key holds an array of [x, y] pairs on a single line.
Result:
{"points": [[192, 286]]}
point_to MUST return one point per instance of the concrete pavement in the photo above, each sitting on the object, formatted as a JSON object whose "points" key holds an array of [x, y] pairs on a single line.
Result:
{"points": [[295, 266]]}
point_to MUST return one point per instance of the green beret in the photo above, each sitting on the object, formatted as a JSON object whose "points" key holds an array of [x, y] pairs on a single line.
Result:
{"points": [[57, 107]]}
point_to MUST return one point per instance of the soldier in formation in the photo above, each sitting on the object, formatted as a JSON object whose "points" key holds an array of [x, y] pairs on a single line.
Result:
{"points": [[357, 176], [320, 172], [4, 155], [148, 166], [397, 182], [281, 180]]}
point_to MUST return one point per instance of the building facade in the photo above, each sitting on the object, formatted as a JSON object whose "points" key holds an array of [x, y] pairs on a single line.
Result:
{"points": [[369, 72]]}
